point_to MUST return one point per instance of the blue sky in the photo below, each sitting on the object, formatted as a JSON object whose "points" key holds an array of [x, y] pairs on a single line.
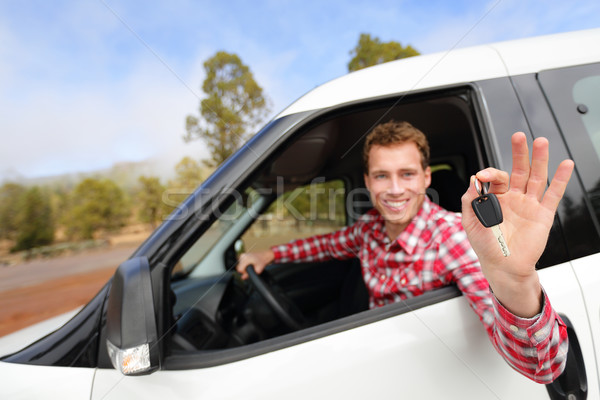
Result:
{"points": [[85, 84]]}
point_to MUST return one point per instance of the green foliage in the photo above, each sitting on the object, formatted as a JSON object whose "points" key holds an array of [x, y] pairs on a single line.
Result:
{"points": [[371, 51], [234, 104], [149, 199], [188, 176], [10, 197], [96, 205], [323, 201], [36, 226], [60, 199]]}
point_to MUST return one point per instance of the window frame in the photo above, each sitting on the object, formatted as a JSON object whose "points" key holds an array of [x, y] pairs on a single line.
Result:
{"points": [[485, 152]]}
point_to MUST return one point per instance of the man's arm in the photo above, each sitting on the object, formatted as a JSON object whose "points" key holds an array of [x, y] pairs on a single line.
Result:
{"points": [[526, 331], [528, 211], [341, 244]]}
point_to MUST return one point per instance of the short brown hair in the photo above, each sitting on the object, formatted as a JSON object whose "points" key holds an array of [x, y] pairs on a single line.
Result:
{"points": [[396, 132]]}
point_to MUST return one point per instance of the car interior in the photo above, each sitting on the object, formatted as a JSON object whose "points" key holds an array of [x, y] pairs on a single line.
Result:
{"points": [[213, 308]]}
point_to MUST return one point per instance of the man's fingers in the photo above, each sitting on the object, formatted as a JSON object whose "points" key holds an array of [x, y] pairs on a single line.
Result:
{"points": [[538, 176], [497, 179], [468, 197], [242, 265], [259, 260], [558, 185], [520, 157]]}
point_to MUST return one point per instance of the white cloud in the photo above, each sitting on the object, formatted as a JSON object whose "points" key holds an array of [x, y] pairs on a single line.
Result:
{"points": [[79, 90], [58, 129]]}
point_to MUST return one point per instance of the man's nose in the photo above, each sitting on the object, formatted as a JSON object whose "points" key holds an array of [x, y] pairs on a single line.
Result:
{"points": [[396, 186]]}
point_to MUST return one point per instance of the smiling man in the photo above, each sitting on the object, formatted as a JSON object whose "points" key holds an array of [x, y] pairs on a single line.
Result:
{"points": [[408, 245], [397, 173]]}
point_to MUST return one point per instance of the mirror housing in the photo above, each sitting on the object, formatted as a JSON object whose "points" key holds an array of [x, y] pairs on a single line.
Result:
{"points": [[131, 333]]}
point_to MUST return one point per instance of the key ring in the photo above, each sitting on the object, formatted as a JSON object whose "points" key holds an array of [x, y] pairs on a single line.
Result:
{"points": [[480, 187]]}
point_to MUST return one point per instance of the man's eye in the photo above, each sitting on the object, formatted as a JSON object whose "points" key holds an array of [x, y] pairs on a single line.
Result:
{"points": [[380, 176], [408, 174]]}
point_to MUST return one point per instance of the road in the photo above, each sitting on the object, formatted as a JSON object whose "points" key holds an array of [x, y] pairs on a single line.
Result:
{"points": [[39, 289]]}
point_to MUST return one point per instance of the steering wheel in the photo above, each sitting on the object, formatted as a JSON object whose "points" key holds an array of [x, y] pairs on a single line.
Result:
{"points": [[290, 315]]}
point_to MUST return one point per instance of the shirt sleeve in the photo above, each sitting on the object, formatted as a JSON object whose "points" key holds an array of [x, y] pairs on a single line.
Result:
{"points": [[341, 244], [536, 347]]}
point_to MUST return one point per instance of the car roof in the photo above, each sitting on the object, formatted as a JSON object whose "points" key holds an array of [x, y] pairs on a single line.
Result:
{"points": [[469, 64]]}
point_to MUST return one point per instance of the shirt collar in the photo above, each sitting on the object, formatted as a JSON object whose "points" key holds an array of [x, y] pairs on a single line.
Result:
{"points": [[409, 237], [378, 230]]}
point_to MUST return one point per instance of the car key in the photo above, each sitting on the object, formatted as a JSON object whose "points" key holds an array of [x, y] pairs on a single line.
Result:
{"points": [[488, 211]]}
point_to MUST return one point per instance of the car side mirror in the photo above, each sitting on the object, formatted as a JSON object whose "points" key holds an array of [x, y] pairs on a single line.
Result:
{"points": [[131, 333]]}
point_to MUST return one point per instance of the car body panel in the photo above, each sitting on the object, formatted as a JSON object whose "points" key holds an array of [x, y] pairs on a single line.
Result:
{"points": [[21, 338], [372, 360], [22, 381], [417, 354], [586, 270]]}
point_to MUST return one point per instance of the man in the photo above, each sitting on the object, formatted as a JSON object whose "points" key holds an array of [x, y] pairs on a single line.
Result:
{"points": [[408, 245]]}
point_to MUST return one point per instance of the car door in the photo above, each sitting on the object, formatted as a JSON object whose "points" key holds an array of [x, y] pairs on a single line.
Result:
{"points": [[545, 103], [414, 354], [573, 95], [21, 381], [431, 347]]}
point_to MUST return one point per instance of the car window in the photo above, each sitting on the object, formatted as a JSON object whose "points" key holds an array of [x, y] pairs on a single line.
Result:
{"points": [[312, 209], [586, 93], [313, 183], [192, 259], [574, 97], [204, 257]]}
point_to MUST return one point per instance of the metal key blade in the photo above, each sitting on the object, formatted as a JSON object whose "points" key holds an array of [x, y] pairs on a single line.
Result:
{"points": [[488, 211], [500, 238]]}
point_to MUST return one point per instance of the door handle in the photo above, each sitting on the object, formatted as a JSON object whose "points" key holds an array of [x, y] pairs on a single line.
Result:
{"points": [[572, 383]]}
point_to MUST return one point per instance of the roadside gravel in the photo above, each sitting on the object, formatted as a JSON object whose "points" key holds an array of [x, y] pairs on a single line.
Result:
{"points": [[33, 291]]}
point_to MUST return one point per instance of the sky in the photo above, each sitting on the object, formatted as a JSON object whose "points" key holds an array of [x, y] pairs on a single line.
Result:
{"points": [[89, 83]]}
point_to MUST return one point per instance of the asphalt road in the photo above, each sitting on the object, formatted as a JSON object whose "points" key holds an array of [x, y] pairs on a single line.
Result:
{"points": [[43, 270], [34, 291]]}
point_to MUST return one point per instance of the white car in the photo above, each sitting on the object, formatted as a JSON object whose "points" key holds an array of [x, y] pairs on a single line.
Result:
{"points": [[177, 322]]}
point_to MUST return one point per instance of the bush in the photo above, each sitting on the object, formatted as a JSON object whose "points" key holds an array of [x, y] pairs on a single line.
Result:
{"points": [[35, 222]]}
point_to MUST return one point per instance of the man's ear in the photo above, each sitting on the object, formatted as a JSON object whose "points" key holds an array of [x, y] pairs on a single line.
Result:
{"points": [[427, 177]]}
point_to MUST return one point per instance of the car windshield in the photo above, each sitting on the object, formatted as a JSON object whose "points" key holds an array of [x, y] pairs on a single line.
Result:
{"points": [[194, 262]]}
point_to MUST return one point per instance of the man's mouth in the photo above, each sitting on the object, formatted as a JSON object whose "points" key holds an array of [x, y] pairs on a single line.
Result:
{"points": [[398, 204]]}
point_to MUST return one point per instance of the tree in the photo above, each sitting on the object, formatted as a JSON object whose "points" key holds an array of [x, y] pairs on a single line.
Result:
{"points": [[96, 205], [235, 103], [188, 176], [371, 51], [36, 225], [10, 198], [150, 201]]}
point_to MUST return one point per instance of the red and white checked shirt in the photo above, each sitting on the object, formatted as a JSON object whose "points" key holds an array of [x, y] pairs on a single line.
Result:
{"points": [[433, 251]]}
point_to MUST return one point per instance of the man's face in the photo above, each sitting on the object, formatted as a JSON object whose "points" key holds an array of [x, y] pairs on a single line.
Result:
{"points": [[397, 183]]}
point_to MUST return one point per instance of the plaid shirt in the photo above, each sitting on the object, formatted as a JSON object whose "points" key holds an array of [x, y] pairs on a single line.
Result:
{"points": [[433, 251]]}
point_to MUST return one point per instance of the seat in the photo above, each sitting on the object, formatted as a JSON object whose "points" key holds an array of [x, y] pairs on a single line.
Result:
{"points": [[446, 188]]}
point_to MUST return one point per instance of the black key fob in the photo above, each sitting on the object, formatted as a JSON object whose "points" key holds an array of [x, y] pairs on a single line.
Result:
{"points": [[487, 209]]}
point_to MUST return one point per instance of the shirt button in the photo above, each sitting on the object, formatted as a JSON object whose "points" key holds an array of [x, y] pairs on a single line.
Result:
{"points": [[538, 334], [382, 277], [514, 328], [403, 281]]}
